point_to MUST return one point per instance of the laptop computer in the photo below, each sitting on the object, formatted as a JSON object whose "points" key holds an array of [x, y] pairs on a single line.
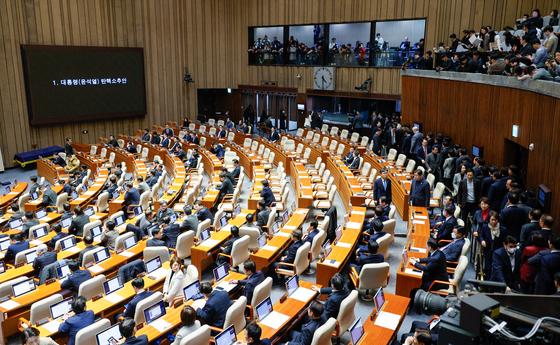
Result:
{"points": [[34, 196], [226, 337], [16, 224], [223, 221], [110, 336], [68, 242], [154, 312], [4, 243], [116, 194], [63, 271], [264, 309], [112, 285], [101, 255], [237, 210], [89, 211], [84, 187], [192, 290], [204, 235], [338, 233], [40, 213], [30, 257], [96, 233], [119, 220], [221, 272], [65, 223], [153, 264], [292, 284], [40, 232], [23, 287], [61, 308], [285, 217], [138, 210], [379, 300], [74, 195], [356, 331], [262, 240], [275, 227], [129, 242], [326, 249]]}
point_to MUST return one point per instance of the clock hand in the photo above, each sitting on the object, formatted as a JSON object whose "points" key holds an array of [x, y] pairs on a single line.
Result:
{"points": [[323, 78]]}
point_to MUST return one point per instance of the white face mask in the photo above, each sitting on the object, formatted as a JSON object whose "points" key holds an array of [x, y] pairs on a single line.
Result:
{"points": [[511, 251], [453, 235]]}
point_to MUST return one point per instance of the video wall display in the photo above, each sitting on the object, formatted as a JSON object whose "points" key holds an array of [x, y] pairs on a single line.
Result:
{"points": [[356, 44]]}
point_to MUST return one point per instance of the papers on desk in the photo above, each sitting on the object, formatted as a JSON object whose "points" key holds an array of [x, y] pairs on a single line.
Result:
{"points": [[226, 286], [209, 243], [199, 303], [226, 227], [74, 249], [413, 272], [303, 294], [158, 274], [9, 305], [283, 234], [419, 250], [127, 254], [354, 225], [290, 227], [52, 326], [343, 245], [301, 211], [333, 263], [114, 298], [419, 222], [420, 217], [269, 248], [95, 269], [36, 242], [161, 325], [274, 320], [387, 320]]}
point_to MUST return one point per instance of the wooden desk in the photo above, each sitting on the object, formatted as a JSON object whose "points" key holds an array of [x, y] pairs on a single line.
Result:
{"points": [[7, 199], [302, 184], [264, 257], [33, 205], [343, 249], [50, 171], [117, 260], [201, 254], [374, 334], [418, 235], [348, 185]]}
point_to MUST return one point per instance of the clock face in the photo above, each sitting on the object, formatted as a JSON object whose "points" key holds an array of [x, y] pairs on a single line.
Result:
{"points": [[323, 78]]}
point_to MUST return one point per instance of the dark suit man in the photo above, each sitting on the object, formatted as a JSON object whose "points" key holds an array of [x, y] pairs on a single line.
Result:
{"points": [[497, 191], [469, 194], [274, 136], [506, 262], [204, 213], [49, 197], [18, 245], [266, 193], [88, 241], [28, 222], [337, 292], [547, 265], [139, 294], [43, 259], [68, 149], [234, 174], [254, 278], [163, 212], [305, 336], [312, 231], [222, 133], [420, 190], [422, 152], [513, 217], [165, 142], [214, 311], [190, 222], [225, 188], [170, 233], [376, 140], [127, 329], [382, 187], [355, 162], [157, 239], [59, 235], [532, 227], [156, 139], [263, 214], [132, 196], [81, 319], [290, 253], [78, 223], [445, 229], [369, 256], [415, 140], [76, 278], [453, 250], [434, 267]]}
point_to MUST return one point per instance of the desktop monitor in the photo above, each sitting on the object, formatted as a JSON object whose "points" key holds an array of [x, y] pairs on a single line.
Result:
{"points": [[96, 232], [223, 221], [130, 242], [154, 312], [101, 255], [65, 223], [16, 224], [61, 308], [477, 151], [292, 284], [338, 233], [23, 287], [356, 331], [68, 242], [285, 217], [301, 106], [191, 290], [63, 271], [153, 264], [262, 240], [89, 211], [226, 337], [116, 195], [379, 299], [34, 196], [110, 336], [30, 257], [275, 227], [264, 308], [4, 243], [544, 197], [221, 272], [40, 232], [112, 285], [119, 220], [40, 213], [327, 249], [204, 235]]}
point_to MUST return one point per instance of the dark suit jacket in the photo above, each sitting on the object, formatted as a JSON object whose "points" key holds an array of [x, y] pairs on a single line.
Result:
{"points": [[49, 198], [235, 173], [85, 250], [77, 225], [250, 284], [462, 194], [130, 308], [365, 257], [214, 311], [262, 217], [446, 228], [204, 214], [43, 260], [379, 191], [139, 340], [527, 230], [291, 251], [75, 279], [434, 268], [274, 136], [513, 218], [485, 186], [453, 250], [355, 163], [57, 237], [154, 242], [496, 193], [226, 188], [420, 193], [311, 235], [268, 196], [75, 323], [132, 197], [548, 264], [332, 304], [485, 234], [420, 156], [307, 330], [170, 235], [15, 248], [165, 142], [502, 270], [190, 223]]}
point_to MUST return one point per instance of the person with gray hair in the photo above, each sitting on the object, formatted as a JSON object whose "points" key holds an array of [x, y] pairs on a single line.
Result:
{"points": [[44, 258], [416, 140]]}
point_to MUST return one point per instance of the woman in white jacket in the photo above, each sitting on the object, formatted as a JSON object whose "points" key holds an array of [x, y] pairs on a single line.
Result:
{"points": [[174, 281]]}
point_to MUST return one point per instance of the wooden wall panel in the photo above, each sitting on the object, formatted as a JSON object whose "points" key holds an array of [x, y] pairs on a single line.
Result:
{"points": [[207, 36], [478, 114]]}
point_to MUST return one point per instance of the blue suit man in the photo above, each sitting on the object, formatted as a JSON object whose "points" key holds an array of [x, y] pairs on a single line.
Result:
{"points": [[312, 231], [453, 250], [18, 245], [513, 217], [214, 311], [165, 142], [80, 320], [170, 234], [274, 136], [445, 230], [140, 294], [266, 194], [43, 259], [547, 264], [132, 196], [434, 267], [305, 336], [420, 191], [76, 278], [254, 278], [382, 187], [337, 292], [502, 270]]}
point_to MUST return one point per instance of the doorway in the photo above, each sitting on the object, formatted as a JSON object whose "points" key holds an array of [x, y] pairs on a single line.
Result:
{"points": [[517, 155]]}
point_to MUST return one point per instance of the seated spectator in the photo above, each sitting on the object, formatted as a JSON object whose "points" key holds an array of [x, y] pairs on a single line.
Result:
{"points": [[312, 231], [29, 221], [228, 245], [157, 239], [139, 294], [453, 250], [109, 235], [44, 258], [337, 293], [369, 256], [57, 228], [254, 278], [88, 241], [81, 319], [289, 255], [444, 228], [173, 285], [262, 214], [80, 220]]}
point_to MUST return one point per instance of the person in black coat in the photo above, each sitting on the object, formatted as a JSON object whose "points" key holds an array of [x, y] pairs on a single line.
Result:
{"points": [[132, 196], [420, 190], [289, 255], [254, 278], [217, 303], [532, 227], [502, 270], [266, 193], [225, 188], [78, 223], [228, 245], [43, 259], [76, 278], [469, 194], [337, 293], [170, 233], [491, 236], [512, 216], [445, 228], [371, 256], [18, 244], [305, 336], [139, 294], [128, 330], [434, 267], [548, 265], [234, 174], [497, 191], [274, 136], [382, 187]]}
